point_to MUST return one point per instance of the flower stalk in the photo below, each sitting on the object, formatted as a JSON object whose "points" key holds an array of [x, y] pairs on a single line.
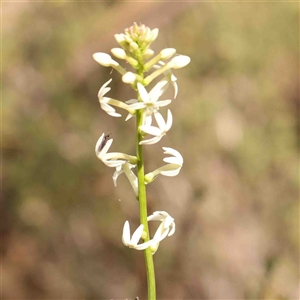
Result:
{"points": [[135, 43]]}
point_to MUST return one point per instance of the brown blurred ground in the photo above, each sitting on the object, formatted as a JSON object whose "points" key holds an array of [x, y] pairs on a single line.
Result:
{"points": [[235, 202]]}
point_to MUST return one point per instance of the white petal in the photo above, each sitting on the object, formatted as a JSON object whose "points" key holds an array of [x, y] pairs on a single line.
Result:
{"points": [[172, 229], [169, 121], [97, 150], [131, 101], [116, 174], [147, 120], [155, 218], [175, 153], [162, 103], [151, 130], [100, 153], [143, 246], [143, 93], [158, 90], [129, 116], [109, 109], [161, 233], [113, 163], [115, 115], [104, 89], [138, 105], [160, 121], [137, 235], [170, 173], [175, 86], [168, 221], [126, 234], [151, 141]]}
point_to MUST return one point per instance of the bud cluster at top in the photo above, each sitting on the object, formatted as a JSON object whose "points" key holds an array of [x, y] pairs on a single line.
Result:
{"points": [[137, 40]]}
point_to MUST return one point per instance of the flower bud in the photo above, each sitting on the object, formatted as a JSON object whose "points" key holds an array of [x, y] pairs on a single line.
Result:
{"points": [[104, 59], [148, 53], [129, 77], [119, 53], [134, 45], [167, 53], [120, 38], [153, 35], [180, 61]]}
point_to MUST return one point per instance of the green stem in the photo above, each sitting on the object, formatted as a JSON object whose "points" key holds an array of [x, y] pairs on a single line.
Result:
{"points": [[143, 209]]}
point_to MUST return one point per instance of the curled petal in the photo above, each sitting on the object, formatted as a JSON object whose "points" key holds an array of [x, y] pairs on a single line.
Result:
{"points": [[109, 109], [151, 141], [176, 159], [102, 146], [104, 89]]}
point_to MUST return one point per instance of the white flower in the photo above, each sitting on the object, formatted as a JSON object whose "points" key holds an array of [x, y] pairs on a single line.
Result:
{"points": [[166, 228], [157, 132], [133, 241], [173, 167], [106, 102], [113, 159], [150, 99]]}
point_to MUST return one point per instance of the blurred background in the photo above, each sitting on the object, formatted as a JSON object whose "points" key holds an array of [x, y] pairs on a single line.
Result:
{"points": [[235, 201]]}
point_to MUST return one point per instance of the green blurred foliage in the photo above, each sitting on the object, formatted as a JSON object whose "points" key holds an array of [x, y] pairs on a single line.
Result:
{"points": [[235, 201]]}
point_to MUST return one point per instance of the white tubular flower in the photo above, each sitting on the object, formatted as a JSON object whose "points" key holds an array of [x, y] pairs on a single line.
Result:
{"points": [[133, 241], [173, 167], [105, 60], [126, 168], [113, 159], [157, 132], [106, 102], [150, 99], [166, 228]]}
